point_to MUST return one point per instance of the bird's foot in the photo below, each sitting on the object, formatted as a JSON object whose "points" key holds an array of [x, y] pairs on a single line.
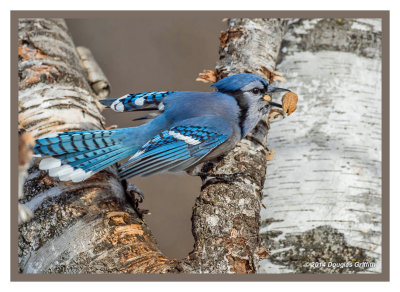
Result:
{"points": [[220, 177], [135, 197], [134, 191]]}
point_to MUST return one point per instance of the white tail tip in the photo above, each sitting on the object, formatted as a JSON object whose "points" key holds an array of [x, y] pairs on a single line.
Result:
{"points": [[49, 163]]}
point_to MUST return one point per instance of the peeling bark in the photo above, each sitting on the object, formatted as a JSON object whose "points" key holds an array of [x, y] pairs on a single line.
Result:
{"points": [[323, 192], [25, 152], [98, 81]]}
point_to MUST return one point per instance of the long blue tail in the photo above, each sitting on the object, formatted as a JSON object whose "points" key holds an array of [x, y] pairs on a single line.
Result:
{"points": [[78, 155]]}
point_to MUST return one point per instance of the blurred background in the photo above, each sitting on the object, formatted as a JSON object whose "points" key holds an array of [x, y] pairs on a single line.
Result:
{"points": [[154, 52]]}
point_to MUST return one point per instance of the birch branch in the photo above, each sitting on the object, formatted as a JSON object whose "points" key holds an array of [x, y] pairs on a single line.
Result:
{"points": [[87, 227], [226, 215], [323, 192]]}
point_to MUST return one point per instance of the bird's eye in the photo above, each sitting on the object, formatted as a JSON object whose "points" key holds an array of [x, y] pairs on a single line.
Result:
{"points": [[256, 90]]}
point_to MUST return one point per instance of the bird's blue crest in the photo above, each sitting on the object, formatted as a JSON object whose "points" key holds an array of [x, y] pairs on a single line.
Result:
{"points": [[237, 81]]}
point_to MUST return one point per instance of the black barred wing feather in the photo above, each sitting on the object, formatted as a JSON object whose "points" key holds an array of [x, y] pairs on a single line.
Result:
{"points": [[175, 149], [136, 101], [73, 142]]}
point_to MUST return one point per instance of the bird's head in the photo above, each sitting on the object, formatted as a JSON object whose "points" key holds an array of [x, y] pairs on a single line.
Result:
{"points": [[252, 95]]}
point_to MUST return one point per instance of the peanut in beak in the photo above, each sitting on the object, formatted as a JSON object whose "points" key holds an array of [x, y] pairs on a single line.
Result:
{"points": [[267, 98]]}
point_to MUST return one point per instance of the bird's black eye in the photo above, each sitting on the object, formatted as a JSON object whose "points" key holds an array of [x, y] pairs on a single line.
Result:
{"points": [[256, 90]]}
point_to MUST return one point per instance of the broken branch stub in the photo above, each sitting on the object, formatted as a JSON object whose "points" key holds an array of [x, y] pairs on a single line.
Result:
{"points": [[97, 79]]}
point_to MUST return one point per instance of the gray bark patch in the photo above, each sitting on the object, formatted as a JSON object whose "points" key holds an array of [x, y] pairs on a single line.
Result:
{"points": [[319, 250]]}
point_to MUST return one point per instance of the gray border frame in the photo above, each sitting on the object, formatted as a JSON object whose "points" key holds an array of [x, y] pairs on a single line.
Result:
{"points": [[384, 276]]}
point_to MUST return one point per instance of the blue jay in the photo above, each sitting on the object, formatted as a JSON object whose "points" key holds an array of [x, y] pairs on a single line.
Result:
{"points": [[192, 127]]}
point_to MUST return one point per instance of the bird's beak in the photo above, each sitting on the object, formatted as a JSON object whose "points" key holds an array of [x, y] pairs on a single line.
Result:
{"points": [[270, 102], [275, 104], [276, 89]]}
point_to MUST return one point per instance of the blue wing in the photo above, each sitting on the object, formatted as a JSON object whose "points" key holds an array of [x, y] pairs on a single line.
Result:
{"points": [[135, 101], [175, 149]]}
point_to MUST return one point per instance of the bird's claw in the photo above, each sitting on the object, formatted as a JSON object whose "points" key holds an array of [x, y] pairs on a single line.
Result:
{"points": [[221, 177], [133, 190], [135, 196]]}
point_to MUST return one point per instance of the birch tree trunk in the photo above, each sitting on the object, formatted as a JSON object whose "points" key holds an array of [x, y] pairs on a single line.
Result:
{"points": [[323, 192], [90, 227]]}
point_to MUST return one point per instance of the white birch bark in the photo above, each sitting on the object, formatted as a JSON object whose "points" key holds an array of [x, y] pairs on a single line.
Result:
{"points": [[323, 190]]}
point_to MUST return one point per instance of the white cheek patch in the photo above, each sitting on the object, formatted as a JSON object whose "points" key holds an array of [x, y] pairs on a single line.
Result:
{"points": [[184, 138]]}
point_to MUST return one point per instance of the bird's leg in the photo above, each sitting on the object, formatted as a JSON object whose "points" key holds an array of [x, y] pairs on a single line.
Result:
{"points": [[230, 178], [196, 170], [132, 192], [214, 178], [201, 170]]}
